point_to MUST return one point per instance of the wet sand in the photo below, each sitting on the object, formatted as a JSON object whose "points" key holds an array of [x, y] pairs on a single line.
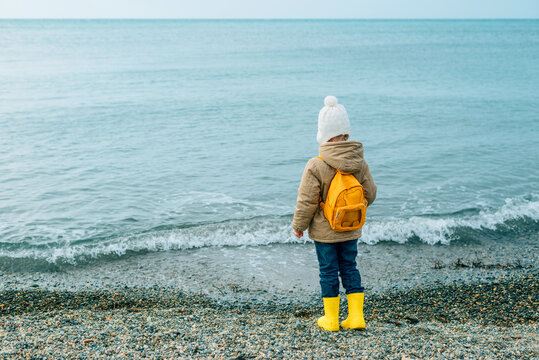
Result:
{"points": [[287, 271]]}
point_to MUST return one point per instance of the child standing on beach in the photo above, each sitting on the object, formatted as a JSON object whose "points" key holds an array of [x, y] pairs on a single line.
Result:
{"points": [[336, 249]]}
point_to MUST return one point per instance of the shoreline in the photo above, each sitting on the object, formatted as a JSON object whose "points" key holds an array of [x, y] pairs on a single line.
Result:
{"points": [[286, 271], [491, 319]]}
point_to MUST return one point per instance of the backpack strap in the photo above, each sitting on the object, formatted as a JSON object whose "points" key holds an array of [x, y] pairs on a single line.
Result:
{"points": [[320, 201], [320, 157], [339, 171]]}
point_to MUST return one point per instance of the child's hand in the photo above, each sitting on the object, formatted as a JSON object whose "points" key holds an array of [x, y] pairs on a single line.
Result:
{"points": [[298, 234]]}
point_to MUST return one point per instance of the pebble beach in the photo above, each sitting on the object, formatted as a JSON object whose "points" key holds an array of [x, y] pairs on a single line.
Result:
{"points": [[495, 319]]}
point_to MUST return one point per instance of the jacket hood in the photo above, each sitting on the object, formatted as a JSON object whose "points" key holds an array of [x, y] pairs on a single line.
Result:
{"points": [[346, 156]]}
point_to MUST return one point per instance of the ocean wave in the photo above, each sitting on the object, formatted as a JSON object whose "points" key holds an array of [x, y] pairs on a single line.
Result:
{"points": [[515, 215], [256, 231], [442, 230]]}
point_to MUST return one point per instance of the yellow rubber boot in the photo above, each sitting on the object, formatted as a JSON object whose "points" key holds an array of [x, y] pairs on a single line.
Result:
{"points": [[330, 321], [355, 318]]}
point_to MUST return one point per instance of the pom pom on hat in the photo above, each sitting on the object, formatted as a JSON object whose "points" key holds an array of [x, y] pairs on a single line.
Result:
{"points": [[332, 120], [331, 101]]}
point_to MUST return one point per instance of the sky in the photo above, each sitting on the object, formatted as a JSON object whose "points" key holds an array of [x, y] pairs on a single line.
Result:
{"points": [[239, 9]]}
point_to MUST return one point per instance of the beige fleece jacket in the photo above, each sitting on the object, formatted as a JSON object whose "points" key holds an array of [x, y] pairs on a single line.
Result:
{"points": [[346, 156]]}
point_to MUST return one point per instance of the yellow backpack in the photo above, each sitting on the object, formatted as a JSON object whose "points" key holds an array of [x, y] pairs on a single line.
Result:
{"points": [[345, 206]]}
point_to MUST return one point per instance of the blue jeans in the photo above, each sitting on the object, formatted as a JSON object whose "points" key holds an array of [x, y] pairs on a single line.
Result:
{"points": [[338, 259]]}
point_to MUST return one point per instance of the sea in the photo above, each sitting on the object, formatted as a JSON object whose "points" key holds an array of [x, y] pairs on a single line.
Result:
{"points": [[124, 137]]}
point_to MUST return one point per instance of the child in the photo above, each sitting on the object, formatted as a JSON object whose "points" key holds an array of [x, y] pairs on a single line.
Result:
{"points": [[336, 251]]}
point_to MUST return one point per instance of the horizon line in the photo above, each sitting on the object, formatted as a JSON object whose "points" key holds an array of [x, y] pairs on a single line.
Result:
{"points": [[255, 18]]}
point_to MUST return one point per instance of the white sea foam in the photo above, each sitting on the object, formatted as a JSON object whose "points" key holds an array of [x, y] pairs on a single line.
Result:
{"points": [[269, 230], [442, 230], [234, 233]]}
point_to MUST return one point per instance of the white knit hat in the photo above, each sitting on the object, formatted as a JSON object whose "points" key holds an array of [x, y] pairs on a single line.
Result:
{"points": [[332, 120]]}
